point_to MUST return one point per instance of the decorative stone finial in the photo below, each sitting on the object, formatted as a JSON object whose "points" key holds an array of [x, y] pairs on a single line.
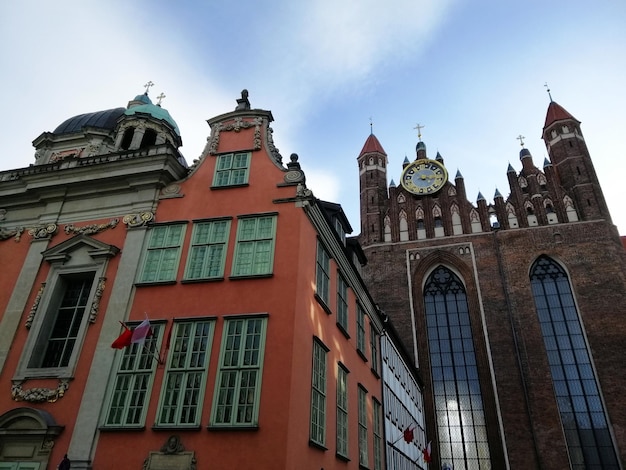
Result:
{"points": [[243, 103]]}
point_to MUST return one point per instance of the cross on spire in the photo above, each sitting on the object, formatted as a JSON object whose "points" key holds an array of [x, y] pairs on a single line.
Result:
{"points": [[548, 90], [521, 139], [160, 98], [419, 128], [148, 85]]}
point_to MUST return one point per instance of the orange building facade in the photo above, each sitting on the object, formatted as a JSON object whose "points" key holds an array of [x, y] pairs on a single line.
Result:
{"points": [[264, 344]]}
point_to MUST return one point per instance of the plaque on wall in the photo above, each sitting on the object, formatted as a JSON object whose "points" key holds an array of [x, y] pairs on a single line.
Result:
{"points": [[171, 456]]}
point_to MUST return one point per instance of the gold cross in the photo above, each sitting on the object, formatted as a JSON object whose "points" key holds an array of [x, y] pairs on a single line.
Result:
{"points": [[148, 85], [419, 128], [160, 98]]}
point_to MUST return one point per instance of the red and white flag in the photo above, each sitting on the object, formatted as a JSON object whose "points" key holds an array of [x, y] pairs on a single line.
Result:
{"points": [[426, 452], [141, 332], [123, 340]]}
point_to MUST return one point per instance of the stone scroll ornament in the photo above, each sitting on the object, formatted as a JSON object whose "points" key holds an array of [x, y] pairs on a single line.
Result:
{"points": [[138, 220], [39, 394]]}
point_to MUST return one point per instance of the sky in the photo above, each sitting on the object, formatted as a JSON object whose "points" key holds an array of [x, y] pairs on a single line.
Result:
{"points": [[472, 72]]}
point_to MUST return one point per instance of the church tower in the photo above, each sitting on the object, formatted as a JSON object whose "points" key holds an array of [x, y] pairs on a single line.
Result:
{"points": [[570, 157], [373, 189]]}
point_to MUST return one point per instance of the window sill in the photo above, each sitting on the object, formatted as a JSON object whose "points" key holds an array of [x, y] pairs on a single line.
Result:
{"points": [[317, 445], [342, 457], [323, 304], [375, 373], [176, 427], [202, 279], [109, 428], [343, 330], [155, 283], [362, 355], [250, 276], [248, 427], [227, 186]]}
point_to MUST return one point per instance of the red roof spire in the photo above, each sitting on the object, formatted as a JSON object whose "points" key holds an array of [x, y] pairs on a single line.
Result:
{"points": [[556, 112], [372, 145]]}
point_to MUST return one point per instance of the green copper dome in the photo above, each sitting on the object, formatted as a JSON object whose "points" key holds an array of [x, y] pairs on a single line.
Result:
{"points": [[151, 109]]}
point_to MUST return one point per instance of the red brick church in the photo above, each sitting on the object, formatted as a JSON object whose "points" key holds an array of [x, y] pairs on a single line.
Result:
{"points": [[515, 310]]}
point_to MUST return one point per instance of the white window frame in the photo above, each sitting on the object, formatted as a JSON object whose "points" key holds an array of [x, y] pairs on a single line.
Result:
{"points": [[208, 246]]}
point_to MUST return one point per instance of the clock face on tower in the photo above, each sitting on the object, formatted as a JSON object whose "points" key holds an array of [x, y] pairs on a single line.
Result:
{"points": [[424, 177]]}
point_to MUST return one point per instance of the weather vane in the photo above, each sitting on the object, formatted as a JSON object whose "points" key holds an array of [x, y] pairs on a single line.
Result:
{"points": [[419, 128], [548, 90], [521, 139], [148, 85]]}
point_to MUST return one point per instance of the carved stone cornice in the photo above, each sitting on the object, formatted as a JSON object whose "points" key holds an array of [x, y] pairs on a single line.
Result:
{"points": [[33, 309], [90, 229], [39, 394], [138, 220]]}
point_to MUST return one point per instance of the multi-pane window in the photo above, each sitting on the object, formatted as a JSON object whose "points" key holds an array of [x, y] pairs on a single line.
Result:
{"points": [[133, 382], [57, 339], [318, 394], [363, 451], [378, 434], [254, 252], [185, 376], [342, 411], [232, 169], [360, 329], [583, 416], [342, 302], [322, 274], [238, 384], [374, 338], [458, 399], [162, 253], [208, 250]]}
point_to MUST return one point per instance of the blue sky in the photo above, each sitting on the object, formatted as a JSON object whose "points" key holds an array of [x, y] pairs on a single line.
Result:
{"points": [[471, 72]]}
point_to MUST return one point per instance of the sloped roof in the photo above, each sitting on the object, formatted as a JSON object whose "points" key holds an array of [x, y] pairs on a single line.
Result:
{"points": [[372, 145], [556, 112]]}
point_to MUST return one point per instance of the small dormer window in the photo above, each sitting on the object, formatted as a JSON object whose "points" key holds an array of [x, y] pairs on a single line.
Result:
{"points": [[340, 231]]}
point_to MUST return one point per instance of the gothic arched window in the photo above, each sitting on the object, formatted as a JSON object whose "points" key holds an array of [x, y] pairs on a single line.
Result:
{"points": [[575, 385], [458, 400]]}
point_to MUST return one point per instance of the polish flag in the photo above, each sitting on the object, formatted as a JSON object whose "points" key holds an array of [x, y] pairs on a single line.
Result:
{"points": [[141, 332], [123, 340], [426, 452]]}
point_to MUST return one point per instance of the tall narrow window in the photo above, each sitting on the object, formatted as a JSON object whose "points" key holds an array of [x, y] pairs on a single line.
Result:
{"points": [[185, 376], [363, 451], [342, 411], [318, 394], [238, 383], [254, 252], [342, 303], [360, 330], [374, 339], [458, 400], [148, 139], [208, 250], [322, 275], [232, 169], [56, 342], [583, 416], [133, 382], [378, 435], [160, 261]]}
